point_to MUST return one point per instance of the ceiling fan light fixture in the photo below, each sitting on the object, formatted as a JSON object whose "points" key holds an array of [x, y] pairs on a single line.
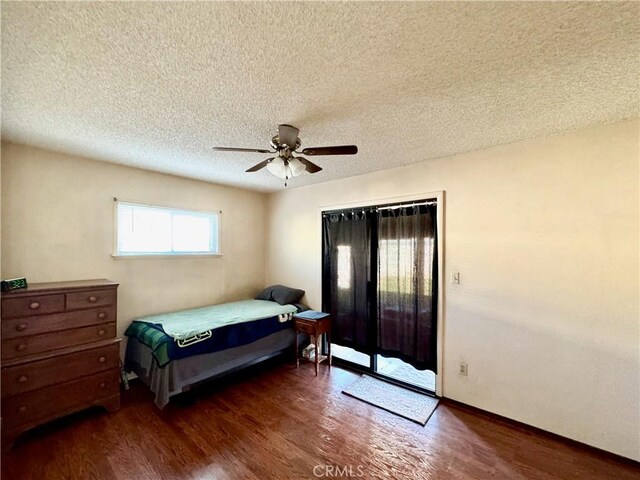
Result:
{"points": [[277, 167], [292, 167], [296, 166]]}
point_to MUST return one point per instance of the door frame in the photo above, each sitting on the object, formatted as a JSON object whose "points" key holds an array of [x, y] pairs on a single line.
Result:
{"points": [[439, 195]]}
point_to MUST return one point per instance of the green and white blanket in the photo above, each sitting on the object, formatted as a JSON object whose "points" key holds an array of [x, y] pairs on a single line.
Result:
{"points": [[185, 324]]}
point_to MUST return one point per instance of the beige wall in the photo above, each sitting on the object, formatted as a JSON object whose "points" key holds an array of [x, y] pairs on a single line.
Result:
{"points": [[57, 224], [545, 235]]}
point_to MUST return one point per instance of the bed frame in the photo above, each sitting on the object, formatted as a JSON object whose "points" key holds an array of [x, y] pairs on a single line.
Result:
{"points": [[184, 374]]}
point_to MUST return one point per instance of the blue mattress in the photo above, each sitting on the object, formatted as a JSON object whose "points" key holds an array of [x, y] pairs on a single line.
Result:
{"points": [[165, 348]]}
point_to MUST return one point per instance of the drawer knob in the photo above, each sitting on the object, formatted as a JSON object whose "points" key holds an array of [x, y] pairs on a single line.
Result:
{"points": [[102, 331], [103, 384], [92, 299], [102, 315], [102, 359], [22, 409], [34, 305], [23, 379], [21, 346], [22, 327]]}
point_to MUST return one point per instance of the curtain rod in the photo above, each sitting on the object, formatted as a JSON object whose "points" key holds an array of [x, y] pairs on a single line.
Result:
{"points": [[388, 206], [402, 205]]}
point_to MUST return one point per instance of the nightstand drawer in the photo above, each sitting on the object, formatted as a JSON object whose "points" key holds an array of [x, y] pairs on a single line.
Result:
{"points": [[305, 327]]}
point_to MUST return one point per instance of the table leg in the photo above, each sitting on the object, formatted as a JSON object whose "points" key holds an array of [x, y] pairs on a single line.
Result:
{"points": [[316, 348], [296, 353], [329, 347]]}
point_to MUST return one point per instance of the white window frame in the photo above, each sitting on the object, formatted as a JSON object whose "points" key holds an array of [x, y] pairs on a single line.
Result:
{"points": [[124, 255]]}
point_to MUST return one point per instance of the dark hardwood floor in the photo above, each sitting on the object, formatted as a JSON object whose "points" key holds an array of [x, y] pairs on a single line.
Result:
{"points": [[276, 422]]}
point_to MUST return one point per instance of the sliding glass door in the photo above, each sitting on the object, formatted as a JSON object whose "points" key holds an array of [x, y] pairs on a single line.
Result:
{"points": [[380, 284]]}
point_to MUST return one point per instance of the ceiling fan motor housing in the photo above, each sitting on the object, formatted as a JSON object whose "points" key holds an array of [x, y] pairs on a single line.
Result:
{"points": [[275, 143]]}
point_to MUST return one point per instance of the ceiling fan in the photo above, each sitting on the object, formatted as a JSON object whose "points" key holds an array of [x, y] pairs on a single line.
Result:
{"points": [[285, 165]]}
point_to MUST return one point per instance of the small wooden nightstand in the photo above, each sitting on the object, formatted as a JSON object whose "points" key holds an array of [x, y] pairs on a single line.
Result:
{"points": [[313, 323]]}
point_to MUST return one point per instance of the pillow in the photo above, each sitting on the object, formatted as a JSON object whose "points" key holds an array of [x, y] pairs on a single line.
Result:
{"points": [[281, 294], [301, 307]]}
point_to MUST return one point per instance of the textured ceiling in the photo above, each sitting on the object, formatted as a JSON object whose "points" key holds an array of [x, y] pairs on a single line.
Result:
{"points": [[155, 85]]}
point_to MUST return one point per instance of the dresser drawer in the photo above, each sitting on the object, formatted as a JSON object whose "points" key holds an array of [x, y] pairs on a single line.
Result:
{"points": [[32, 305], [20, 327], [23, 346], [44, 404], [42, 373], [93, 298]]}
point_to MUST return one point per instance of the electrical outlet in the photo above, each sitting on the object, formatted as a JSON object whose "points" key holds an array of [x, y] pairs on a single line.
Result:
{"points": [[455, 277], [463, 369]]}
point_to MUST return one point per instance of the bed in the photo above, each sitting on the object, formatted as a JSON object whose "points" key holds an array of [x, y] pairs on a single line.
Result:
{"points": [[173, 352]]}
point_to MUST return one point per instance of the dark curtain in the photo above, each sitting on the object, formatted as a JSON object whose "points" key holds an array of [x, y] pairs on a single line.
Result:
{"points": [[407, 285], [346, 277]]}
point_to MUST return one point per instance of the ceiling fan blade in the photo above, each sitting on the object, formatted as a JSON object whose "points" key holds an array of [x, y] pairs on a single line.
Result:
{"points": [[288, 134], [233, 149], [337, 150], [311, 167], [260, 165]]}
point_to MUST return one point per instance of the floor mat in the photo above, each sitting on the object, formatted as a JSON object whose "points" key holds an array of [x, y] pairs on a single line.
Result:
{"points": [[401, 401]]}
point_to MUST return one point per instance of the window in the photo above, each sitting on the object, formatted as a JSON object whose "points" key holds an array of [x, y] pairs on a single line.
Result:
{"points": [[153, 230], [344, 266], [396, 259]]}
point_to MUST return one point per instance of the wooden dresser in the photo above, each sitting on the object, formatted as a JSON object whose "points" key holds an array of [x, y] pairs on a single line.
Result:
{"points": [[60, 353]]}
